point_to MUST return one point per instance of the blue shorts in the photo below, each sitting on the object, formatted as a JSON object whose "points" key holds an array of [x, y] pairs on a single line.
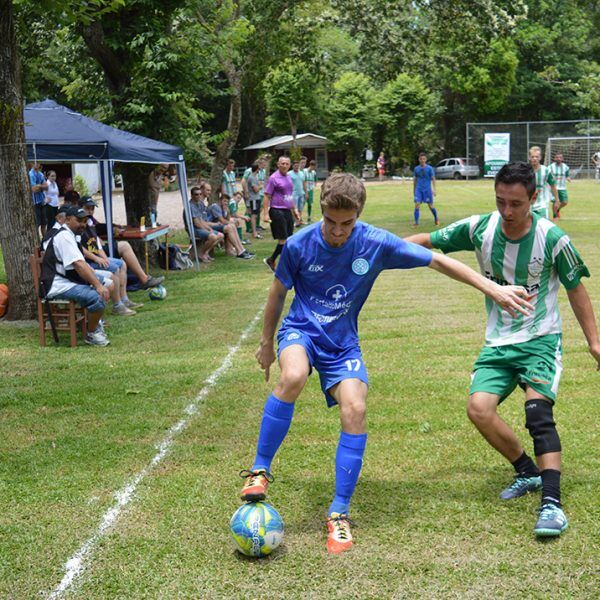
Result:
{"points": [[84, 295], [424, 196], [201, 234], [332, 368], [299, 201], [114, 264], [218, 227]]}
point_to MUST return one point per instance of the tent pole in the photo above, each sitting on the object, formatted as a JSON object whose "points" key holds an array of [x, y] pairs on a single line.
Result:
{"points": [[106, 179], [181, 172]]}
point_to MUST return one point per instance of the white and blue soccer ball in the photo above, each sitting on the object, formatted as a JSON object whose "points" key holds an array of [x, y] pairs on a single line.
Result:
{"points": [[157, 293], [257, 529]]}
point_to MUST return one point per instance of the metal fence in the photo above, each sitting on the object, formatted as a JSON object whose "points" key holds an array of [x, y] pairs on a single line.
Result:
{"points": [[524, 134]]}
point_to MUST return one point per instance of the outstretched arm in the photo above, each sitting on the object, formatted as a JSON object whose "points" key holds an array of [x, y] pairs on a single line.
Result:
{"points": [[266, 351], [582, 307], [511, 298], [421, 239]]}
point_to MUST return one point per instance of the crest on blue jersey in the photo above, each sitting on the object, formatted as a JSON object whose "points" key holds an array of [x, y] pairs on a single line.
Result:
{"points": [[360, 266]]}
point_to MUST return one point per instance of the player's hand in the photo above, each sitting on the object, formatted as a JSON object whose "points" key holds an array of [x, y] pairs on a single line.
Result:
{"points": [[265, 355], [595, 352], [513, 299]]}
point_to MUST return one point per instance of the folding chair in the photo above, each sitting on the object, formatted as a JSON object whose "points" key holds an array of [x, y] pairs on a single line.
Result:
{"points": [[66, 314]]}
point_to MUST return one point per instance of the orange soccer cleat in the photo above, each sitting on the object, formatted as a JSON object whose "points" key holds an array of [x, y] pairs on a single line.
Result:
{"points": [[255, 487], [339, 537]]}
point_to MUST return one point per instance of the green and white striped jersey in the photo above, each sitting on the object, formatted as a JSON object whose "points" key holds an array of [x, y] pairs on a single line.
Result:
{"points": [[560, 174], [543, 180], [311, 179], [539, 261]]}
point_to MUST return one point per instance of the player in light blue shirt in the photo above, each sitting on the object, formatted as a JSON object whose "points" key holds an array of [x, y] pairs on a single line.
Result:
{"points": [[332, 266], [424, 188]]}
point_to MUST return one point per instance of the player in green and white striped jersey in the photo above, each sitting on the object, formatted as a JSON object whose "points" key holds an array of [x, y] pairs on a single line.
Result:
{"points": [[545, 185], [561, 173], [514, 246], [311, 183]]}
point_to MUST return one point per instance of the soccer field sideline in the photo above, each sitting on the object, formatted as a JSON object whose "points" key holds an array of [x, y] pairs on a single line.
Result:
{"points": [[422, 435], [76, 565]]}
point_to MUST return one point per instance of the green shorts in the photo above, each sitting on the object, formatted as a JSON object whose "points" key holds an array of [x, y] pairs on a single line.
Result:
{"points": [[536, 363], [563, 196]]}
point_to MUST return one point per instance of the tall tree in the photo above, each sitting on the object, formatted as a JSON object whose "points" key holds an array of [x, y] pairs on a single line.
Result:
{"points": [[18, 235]]}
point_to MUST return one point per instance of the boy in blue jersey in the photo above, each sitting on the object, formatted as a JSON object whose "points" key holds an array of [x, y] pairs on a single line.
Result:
{"points": [[424, 188], [332, 266]]}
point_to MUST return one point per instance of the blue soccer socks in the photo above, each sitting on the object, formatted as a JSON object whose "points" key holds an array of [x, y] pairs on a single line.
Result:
{"points": [[417, 213], [276, 421], [348, 463]]}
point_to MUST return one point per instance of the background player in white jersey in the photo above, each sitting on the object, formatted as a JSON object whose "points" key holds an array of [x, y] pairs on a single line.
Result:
{"points": [[516, 247], [332, 266], [596, 161], [562, 173], [545, 186]]}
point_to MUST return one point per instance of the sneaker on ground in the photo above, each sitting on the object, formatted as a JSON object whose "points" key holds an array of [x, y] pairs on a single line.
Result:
{"points": [[133, 305], [551, 521], [245, 255], [258, 236], [270, 263], [97, 338], [246, 242], [339, 537], [123, 311], [521, 486], [152, 282], [255, 487]]}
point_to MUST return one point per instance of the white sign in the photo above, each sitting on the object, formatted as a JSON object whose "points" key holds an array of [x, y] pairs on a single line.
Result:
{"points": [[496, 153]]}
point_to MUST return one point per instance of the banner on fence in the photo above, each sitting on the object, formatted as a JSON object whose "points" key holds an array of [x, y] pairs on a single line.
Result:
{"points": [[496, 153]]}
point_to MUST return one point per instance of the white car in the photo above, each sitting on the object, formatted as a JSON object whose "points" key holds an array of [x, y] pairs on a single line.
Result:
{"points": [[456, 168]]}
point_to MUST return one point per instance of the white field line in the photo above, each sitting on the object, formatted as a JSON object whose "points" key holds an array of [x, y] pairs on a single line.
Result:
{"points": [[75, 566]]}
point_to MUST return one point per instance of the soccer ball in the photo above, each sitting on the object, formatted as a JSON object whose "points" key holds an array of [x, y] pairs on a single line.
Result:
{"points": [[157, 293], [257, 529]]}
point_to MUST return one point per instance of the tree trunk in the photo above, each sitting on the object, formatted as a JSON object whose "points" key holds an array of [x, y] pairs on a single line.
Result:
{"points": [[135, 191], [224, 149], [18, 235], [135, 176]]}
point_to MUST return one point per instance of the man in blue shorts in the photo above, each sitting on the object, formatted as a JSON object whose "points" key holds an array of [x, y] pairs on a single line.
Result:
{"points": [[332, 266], [424, 188]]}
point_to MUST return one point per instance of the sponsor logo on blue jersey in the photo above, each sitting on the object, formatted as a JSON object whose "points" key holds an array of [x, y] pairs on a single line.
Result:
{"points": [[360, 266]]}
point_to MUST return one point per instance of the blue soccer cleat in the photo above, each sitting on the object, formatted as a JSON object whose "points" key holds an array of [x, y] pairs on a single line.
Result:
{"points": [[551, 521], [521, 486]]}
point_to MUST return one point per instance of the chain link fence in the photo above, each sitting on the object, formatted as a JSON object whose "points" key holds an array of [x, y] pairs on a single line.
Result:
{"points": [[584, 136]]}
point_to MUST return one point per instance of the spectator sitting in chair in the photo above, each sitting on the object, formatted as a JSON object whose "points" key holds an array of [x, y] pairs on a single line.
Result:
{"points": [[66, 275], [218, 213], [203, 232], [99, 261], [122, 250]]}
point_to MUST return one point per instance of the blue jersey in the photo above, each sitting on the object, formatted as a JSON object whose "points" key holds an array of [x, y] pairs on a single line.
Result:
{"points": [[424, 175], [332, 284]]}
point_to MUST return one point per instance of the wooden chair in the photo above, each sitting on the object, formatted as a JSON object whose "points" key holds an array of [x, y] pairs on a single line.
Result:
{"points": [[66, 314]]}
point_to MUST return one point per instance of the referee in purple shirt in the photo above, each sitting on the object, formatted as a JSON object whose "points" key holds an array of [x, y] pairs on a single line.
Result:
{"points": [[279, 202]]}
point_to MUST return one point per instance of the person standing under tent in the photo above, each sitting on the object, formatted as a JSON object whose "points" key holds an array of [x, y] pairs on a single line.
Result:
{"points": [[51, 199], [545, 185], [561, 173]]}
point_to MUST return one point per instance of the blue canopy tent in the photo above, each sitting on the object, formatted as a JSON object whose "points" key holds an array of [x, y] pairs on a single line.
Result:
{"points": [[56, 133]]}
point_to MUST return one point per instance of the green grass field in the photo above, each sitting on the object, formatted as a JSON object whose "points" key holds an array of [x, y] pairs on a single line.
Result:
{"points": [[78, 425]]}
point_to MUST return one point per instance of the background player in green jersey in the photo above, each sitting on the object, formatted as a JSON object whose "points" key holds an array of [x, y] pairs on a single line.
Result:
{"points": [[545, 185], [516, 247], [561, 173]]}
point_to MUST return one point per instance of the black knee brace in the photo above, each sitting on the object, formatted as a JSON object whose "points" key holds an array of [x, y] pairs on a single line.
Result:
{"points": [[541, 426]]}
